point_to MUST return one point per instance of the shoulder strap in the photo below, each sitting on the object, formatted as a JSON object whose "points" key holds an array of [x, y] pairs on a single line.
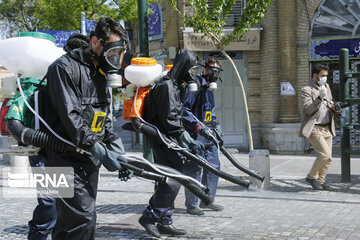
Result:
{"points": [[75, 71], [77, 76]]}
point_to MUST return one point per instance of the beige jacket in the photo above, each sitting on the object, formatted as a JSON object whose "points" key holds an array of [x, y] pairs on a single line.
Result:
{"points": [[311, 105]]}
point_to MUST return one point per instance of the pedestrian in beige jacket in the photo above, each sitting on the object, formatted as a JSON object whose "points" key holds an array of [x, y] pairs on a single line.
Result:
{"points": [[318, 124]]}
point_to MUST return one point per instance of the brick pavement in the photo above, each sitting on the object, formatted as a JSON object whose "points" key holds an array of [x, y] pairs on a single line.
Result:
{"points": [[289, 210]]}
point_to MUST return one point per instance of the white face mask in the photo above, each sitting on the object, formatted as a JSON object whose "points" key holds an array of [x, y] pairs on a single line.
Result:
{"points": [[322, 81]]}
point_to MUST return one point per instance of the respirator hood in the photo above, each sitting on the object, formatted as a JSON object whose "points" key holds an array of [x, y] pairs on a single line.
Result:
{"points": [[183, 62]]}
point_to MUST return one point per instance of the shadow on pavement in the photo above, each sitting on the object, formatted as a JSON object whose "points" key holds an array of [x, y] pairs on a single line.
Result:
{"points": [[120, 208], [293, 185], [17, 229], [300, 185], [121, 231], [235, 188]]}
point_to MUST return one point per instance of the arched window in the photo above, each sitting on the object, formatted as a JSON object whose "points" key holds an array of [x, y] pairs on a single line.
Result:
{"points": [[336, 18]]}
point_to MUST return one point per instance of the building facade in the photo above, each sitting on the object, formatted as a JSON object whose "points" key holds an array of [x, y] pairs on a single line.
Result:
{"points": [[273, 71]]}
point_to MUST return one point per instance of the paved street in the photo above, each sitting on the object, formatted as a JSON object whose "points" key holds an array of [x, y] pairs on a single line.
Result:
{"points": [[289, 210]]}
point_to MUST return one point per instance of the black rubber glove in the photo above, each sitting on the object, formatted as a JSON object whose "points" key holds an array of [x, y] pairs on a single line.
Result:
{"points": [[219, 130], [190, 143], [107, 157], [206, 132], [116, 146], [125, 174]]}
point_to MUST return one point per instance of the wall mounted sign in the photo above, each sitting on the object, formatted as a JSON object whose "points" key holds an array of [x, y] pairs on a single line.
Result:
{"points": [[155, 22], [329, 49], [195, 42], [286, 89]]}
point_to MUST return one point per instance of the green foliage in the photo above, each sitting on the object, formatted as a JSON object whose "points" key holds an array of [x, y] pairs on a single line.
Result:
{"points": [[65, 14], [211, 20], [32, 15], [18, 14]]}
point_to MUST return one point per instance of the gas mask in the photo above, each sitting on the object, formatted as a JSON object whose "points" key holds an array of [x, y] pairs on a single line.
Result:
{"points": [[212, 75], [322, 81], [110, 61], [190, 78]]}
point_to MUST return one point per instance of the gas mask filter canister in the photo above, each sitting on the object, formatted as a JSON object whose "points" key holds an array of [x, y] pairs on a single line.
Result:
{"points": [[193, 86], [193, 72], [213, 86]]}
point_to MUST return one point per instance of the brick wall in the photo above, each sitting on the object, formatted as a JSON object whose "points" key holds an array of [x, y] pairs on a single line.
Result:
{"points": [[254, 88], [171, 28], [269, 60], [263, 66], [305, 12]]}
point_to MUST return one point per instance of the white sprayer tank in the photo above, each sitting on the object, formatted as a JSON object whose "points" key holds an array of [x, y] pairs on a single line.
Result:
{"points": [[143, 71], [30, 54]]}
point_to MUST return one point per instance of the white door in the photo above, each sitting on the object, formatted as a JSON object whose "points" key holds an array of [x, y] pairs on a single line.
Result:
{"points": [[229, 104]]}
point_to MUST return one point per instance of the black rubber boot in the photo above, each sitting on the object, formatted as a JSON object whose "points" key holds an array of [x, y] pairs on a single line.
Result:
{"points": [[149, 226], [170, 229]]}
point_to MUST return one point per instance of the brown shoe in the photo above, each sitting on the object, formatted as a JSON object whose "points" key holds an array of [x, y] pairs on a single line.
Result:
{"points": [[314, 183], [327, 187]]}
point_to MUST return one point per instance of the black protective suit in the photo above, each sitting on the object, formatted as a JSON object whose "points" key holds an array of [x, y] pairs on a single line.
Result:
{"points": [[164, 110], [77, 109]]}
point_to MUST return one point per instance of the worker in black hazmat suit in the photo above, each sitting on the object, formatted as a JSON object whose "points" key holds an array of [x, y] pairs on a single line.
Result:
{"points": [[44, 214], [163, 108], [77, 108]]}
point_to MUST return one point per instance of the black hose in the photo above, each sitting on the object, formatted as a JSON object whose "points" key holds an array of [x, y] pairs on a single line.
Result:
{"points": [[150, 131], [37, 138], [128, 127], [140, 172], [202, 193], [202, 162], [238, 165]]}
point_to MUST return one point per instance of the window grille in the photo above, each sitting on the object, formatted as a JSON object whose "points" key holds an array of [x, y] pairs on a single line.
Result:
{"points": [[336, 18], [235, 13]]}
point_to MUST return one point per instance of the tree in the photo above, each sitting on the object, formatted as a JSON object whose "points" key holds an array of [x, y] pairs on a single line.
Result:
{"points": [[32, 15], [211, 22], [18, 15]]}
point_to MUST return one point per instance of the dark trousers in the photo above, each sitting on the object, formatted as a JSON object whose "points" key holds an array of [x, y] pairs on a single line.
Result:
{"points": [[44, 215], [161, 204], [207, 178], [76, 216]]}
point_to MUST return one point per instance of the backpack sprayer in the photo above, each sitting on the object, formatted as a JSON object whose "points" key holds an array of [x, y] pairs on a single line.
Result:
{"points": [[28, 56]]}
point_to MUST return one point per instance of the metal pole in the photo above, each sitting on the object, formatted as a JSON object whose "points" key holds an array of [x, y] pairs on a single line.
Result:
{"points": [[143, 28], [83, 27], [344, 132], [144, 52]]}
